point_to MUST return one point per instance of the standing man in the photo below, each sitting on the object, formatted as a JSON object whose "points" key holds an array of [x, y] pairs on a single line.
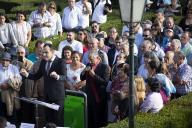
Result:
{"points": [[70, 41], [86, 10], [53, 70], [27, 110], [100, 10], [96, 75], [41, 21], [71, 20]]}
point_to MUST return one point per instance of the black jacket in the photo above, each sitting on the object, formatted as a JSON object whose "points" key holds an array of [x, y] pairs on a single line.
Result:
{"points": [[53, 89]]}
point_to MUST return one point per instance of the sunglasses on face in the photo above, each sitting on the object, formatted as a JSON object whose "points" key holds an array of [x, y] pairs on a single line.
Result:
{"points": [[52, 7], [145, 35]]}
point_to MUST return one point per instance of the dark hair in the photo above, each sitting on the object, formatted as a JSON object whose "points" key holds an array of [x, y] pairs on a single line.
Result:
{"points": [[123, 66], [6, 18], [42, 4], [150, 40], [94, 22], [38, 42], [86, 33], [118, 38], [21, 12], [49, 45], [154, 84], [76, 52], [155, 65], [66, 48]]}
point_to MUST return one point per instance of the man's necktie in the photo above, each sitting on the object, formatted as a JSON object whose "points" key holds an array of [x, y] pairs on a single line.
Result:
{"points": [[48, 66]]}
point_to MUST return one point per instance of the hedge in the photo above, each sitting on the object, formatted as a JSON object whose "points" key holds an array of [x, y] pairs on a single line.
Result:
{"points": [[176, 114]]}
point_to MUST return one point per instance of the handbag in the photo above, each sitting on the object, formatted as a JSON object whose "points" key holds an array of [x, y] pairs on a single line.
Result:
{"points": [[107, 7]]}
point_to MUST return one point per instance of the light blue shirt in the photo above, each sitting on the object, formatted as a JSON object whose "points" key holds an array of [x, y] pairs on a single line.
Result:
{"points": [[8, 72]]}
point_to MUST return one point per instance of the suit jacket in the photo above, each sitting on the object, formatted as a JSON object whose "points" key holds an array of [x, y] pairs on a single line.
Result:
{"points": [[53, 89], [99, 81], [111, 56]]}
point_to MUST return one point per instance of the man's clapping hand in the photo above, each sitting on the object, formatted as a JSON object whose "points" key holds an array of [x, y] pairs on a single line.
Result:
{"points": [[54, 75], [24, 72]]}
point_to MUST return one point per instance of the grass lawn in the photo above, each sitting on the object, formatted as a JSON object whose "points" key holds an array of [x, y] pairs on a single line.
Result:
{"points": [[176, 114]]}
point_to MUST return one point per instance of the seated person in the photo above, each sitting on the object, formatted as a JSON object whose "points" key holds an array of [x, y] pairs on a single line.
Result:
{"points": [[153, 102]]}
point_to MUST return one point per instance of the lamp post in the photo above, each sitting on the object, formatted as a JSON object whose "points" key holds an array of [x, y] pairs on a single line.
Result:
{"points": [[131, 12]]}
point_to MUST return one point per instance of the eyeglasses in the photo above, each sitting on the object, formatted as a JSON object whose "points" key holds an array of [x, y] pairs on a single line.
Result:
{"points": [[145, 35], [113, 32], [52, 7]]}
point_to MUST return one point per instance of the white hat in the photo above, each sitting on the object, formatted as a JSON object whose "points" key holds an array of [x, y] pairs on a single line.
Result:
{"points": [[148, 2]]}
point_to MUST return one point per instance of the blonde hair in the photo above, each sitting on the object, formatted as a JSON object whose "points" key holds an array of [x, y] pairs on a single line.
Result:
{"points": [[54, 4], [140, 89]]}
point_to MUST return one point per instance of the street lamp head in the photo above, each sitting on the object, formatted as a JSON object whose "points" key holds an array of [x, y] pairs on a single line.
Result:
{"points": [[137, 8]]}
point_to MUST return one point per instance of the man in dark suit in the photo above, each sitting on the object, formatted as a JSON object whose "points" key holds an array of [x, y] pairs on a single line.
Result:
{"points": [[96, 75], [113, 52], [53, 70]]}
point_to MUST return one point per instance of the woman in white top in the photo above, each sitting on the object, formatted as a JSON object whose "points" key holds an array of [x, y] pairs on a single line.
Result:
{"points": [[74, 70], [22, 29], [7, 37], [56, 29], [153, 102]]}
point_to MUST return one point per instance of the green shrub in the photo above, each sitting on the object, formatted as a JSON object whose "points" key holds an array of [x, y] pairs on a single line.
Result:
{"points": [[176, 114], [55, 40]]}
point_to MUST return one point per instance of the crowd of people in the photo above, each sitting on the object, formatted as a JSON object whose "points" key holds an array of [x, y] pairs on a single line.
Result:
{"points": [[95, 62]]}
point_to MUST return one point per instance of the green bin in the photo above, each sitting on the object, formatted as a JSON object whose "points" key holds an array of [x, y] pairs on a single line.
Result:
{"points": [[75, 109]]}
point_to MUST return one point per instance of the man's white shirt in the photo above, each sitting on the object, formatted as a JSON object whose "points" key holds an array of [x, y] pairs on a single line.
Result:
{"points": [[76, 46], [71, 18], [85, 16], [36, 17], [98, 15], [9, 72]]}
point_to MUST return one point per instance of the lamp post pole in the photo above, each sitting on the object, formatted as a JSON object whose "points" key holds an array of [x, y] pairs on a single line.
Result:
{"points": [[131, 72]]}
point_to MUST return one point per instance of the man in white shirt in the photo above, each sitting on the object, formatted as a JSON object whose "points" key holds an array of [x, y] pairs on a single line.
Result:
{"points": [[98, 14], [71, 20], [10, 82], [70, 41], [41, 21], [86, 10]]}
